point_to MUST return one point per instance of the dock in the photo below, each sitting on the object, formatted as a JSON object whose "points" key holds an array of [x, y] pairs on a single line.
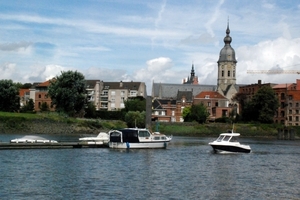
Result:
{"points": [[59, 145]]}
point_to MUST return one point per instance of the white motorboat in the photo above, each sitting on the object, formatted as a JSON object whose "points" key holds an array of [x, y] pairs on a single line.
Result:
{"points": [[137, 138], [101, 138], [32, 139], [227, 142]]}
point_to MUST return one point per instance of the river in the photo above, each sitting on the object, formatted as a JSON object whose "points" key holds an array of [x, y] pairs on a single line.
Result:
{"points": [[187, 169]]}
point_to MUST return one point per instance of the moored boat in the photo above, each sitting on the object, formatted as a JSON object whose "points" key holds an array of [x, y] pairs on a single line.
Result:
{"points": [[101, 138], [137, 138], [32, 139], [227, 143]]}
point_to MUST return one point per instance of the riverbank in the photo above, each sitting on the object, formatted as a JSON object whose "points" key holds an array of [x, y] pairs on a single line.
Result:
{"points": [[50, 123]]}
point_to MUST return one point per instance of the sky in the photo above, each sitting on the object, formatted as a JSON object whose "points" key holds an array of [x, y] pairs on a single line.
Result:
{"points": [[147, 41]]}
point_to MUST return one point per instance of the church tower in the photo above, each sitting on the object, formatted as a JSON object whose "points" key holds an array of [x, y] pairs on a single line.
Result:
{"points": [[193, 79], [227, 67]]}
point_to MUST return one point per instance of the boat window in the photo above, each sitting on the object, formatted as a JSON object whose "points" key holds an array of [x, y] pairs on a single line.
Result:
{"points": [[163, 138], [233, 139], [226, 138], [156, 138], [220, 138], [144, 134]]}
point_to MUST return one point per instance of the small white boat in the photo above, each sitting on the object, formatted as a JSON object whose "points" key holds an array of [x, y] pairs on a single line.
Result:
{"points": [[227, 143], [101, 138], [32, 139], [137, 138]]}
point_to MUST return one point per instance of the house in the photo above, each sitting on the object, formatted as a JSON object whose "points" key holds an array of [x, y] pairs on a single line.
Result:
{"points": [[163, 110], [217, 105], [24, 95]]}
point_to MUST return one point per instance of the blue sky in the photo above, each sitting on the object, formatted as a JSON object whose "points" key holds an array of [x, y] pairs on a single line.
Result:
{"points": [[158, 40]]}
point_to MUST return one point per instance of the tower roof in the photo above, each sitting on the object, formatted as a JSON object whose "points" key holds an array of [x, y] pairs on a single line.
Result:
{"points": [[227, 53]]}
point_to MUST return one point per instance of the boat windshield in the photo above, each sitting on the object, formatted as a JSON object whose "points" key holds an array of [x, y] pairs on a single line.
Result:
{"points": [[220, 138], [226, 138], [233, 139]]}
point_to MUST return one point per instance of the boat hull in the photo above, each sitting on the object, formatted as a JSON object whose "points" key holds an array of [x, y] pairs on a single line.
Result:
{"points": [[230, 149], [140, 145]]}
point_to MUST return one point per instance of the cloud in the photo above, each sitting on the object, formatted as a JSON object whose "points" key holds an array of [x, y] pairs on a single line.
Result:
{"points": [[18, 47]]}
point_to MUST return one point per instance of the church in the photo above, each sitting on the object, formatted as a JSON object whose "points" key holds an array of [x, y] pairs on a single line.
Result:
{"points": [[170, 99]]}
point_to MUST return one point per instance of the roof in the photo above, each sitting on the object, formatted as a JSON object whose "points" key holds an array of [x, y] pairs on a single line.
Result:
{"points": [[91, 83], [282, 86], [22, 92], [187, 94], [44, 84], [211, 94], [157, 103], [169, 90], [122, 85]]}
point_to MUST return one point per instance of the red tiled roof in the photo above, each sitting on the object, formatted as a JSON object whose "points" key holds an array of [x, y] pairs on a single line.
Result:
{"points": [[44, 84], [22, 92], [211, 94], [283, 85]]}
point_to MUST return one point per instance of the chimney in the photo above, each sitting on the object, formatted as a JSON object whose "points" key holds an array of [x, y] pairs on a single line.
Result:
{"points": [[121, 84], [259, 82]]}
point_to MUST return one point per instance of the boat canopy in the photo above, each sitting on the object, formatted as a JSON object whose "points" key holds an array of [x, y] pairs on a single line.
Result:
{"points": [[124, 135]]}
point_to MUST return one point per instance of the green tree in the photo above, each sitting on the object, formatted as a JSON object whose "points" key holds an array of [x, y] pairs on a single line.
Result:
{"points": [[135, 119], [199, 113], [262, 107], [90, 110], [68, 93], [186, 114], [44, 107], [9, 96], [29, 107], [135, 104]]}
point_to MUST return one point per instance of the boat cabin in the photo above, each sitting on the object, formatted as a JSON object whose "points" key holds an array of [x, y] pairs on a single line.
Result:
{"points": [[129, 135], [225, 137]]}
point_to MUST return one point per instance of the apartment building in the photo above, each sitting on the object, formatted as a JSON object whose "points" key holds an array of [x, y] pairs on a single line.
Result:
{"points": [[289, 103], [114, 94]]}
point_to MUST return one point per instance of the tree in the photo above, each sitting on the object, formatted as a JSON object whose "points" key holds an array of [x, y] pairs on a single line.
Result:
{"points": [[186, 114], [135, 104], [262, 107], [135, 119], [29, 107], [9, 96], [44, 107], [68, 93], [90, 110], [198, 113]]}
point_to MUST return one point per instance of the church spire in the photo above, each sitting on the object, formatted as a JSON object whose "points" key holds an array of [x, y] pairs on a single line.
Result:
{"points": [[227, 39]]}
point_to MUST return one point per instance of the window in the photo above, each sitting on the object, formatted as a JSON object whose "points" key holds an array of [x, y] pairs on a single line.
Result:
{"points": [[133, 93], [228, 73], [122, 93], [206, 96], [208, 104], [297, 111], [112, 105], [113, 93], [222, 73], [290, 111], [290, 118], [290, 105], [297, 104], [144, 134], [40, 96], [233, 73], [297, 118]]}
